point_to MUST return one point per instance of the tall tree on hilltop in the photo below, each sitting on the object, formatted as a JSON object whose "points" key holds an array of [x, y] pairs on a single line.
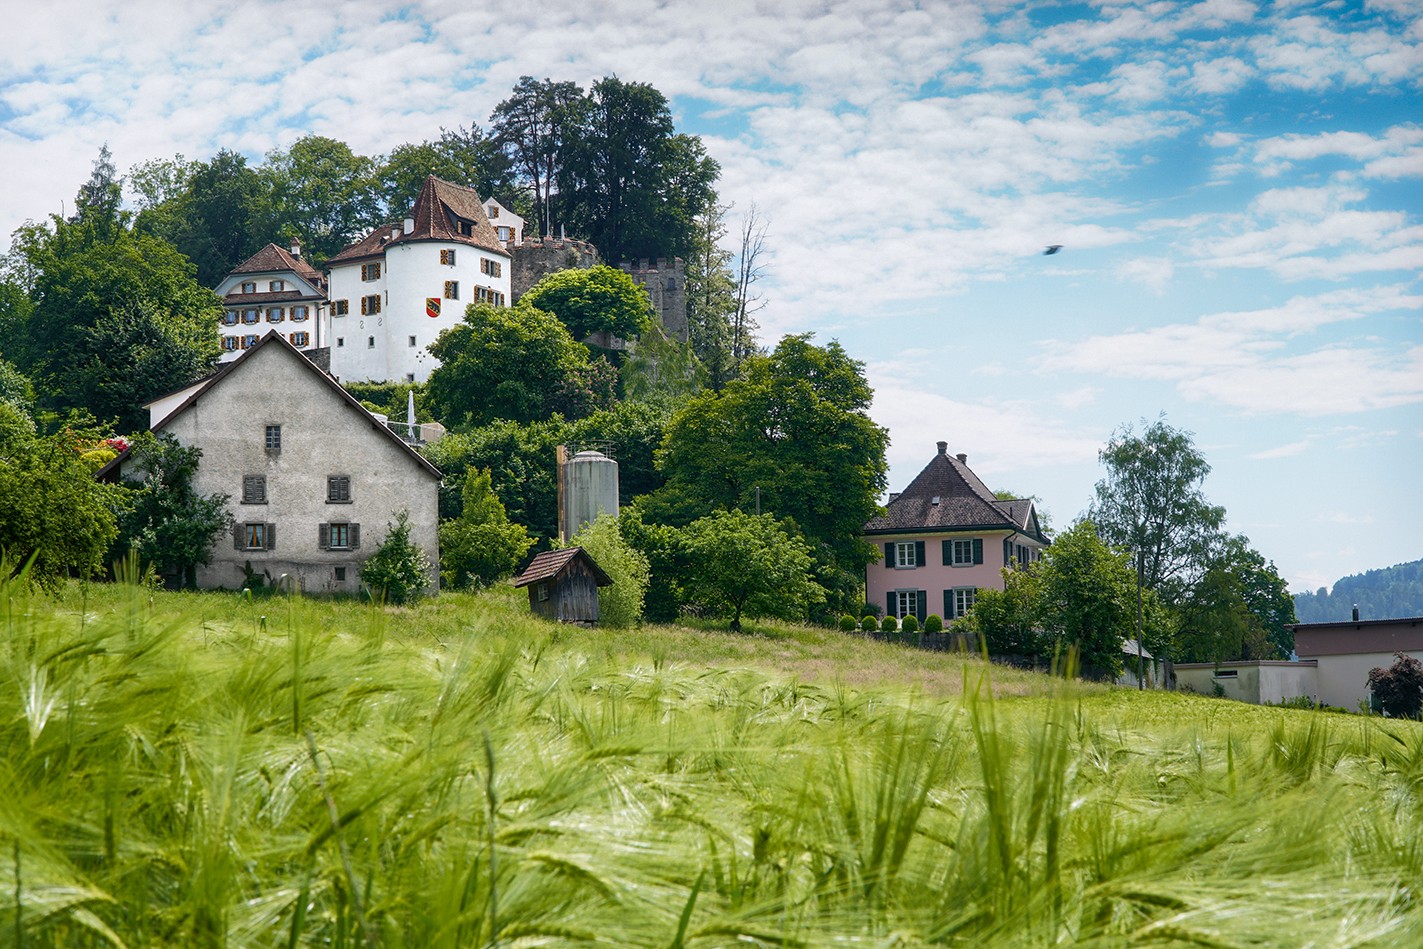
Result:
{"points": [[711, 296], [532, 126], [98, 205], [218, 219], [469, 157], [750, 268], [323, 193]]}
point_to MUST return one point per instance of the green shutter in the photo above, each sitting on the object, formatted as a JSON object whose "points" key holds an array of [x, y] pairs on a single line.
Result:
{"points": [[238, 536], [948, 604], [921, 604], [889, 603], [889, 554], [323, 537], [948, 553], [271, 533], [918, 553], [978, 550], [355, 536], [1007, 551]]}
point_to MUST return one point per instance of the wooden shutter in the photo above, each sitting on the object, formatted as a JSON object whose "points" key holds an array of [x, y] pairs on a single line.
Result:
{"points": [[978, 550], [890, 605], [919, 554], [355, 536], [948, 604], [323, 536], [889, 554], [921, 602], [239, 532], [271, 536], [948, 553], [1007, 551]]}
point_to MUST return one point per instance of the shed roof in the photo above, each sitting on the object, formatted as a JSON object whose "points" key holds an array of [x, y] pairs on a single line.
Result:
{"points": [[552, 563]]}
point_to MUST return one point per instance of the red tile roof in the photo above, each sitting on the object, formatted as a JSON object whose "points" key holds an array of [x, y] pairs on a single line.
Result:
{"points": [[437, 213], [273, 259]]}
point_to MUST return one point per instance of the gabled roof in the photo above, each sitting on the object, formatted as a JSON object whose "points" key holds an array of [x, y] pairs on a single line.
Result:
{"points": [[436, 214], [551, 563], [203, 386], [948, 496], [273, 259]]}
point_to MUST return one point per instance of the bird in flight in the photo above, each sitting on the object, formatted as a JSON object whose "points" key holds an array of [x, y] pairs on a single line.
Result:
{"points": [[1052, 249]]}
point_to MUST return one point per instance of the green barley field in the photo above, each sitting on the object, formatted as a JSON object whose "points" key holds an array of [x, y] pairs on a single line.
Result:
{"points": [[204, 770]]}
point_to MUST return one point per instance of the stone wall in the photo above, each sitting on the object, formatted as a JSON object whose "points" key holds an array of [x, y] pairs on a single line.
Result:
{"points": [[536, 259], [665, 280]]}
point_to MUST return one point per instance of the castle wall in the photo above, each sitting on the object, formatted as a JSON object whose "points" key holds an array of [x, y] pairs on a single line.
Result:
{"points": [[665, 280], [535, 259]]}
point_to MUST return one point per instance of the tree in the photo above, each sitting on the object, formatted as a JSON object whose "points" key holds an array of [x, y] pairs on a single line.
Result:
{"points": [[1088, 596], [532, 126], [1399, 688], [398, 572], [749, 564], [504, 362], [169, 525], [599, 299], [621, 603], [98, 205], [1264, 593], [1009, 621], [792, 437], [53, 514], [468, 157], [711, 295], [223, 217], [481, 545], [749, 271], [1152, 504], [323, 193], [661, 368], [1216, 623]]}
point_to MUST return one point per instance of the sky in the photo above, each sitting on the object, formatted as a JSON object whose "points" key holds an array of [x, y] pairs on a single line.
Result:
{"points": [[1237, 188]]}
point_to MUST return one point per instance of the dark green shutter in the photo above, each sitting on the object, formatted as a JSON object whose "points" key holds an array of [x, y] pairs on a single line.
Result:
{"points": [[323, 537], [921, 604], [948, 553], [948, 604], [889, 554], [918, 553], [978, 550], [889, 603], [238, 535], [1007, 551]]}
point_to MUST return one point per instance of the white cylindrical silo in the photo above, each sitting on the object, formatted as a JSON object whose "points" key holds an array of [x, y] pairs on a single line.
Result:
{"points": [[590, 480]]}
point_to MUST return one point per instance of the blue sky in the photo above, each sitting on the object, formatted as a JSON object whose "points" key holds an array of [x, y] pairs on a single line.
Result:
{"points": [[1236, 186]]}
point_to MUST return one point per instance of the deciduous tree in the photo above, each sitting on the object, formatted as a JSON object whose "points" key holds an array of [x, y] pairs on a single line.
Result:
{"points": [[1087, 596], [469, 157], [324, 193], [532, 126], [619, 604], [481, 545], [747, 564], [593, 300]]}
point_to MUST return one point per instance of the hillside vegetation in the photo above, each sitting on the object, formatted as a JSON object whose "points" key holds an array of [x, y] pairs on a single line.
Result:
{"points": [[1387, 593], [205, 770]]}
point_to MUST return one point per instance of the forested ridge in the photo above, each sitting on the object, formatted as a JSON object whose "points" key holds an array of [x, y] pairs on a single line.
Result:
{"points": [[1386, 593]]}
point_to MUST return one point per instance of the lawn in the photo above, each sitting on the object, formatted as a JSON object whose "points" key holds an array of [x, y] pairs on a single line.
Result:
{"points": [[207, 770]]}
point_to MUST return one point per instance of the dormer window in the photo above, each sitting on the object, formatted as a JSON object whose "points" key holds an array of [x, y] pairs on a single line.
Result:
{"points": [[276, 286], [466, 228], [250, 287]]}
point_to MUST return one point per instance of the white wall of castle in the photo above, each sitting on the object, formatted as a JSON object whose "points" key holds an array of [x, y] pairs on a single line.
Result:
{"points": [[391, 345]]}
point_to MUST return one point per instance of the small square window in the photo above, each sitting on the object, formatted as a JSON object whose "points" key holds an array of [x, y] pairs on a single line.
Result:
{"points": [[447, 257], [251, 315], [340, 307], [254, 489], [452, 289], [340, 342], [370, 305], [274, 438], [274, 314], [250, 287], [410, 377], [412, 341], [338, 489], [255, 536], [370, 342], [298, 313], [340, 574]]}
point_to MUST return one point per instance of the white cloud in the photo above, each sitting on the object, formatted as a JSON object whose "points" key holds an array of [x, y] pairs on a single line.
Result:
{"points": [[1283, 451]]}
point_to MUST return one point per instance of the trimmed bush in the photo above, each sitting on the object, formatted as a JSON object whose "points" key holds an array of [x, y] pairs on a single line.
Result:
{"points": [[869, 624], [910, 624], [848, 623], [889, 625], [933, 623]]}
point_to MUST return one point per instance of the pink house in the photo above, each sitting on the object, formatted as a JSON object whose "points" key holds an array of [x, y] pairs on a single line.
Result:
{"points": [[944, 538]]}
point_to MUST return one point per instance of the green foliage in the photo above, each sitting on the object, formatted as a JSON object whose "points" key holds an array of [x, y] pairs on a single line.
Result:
{"points": [[16, 389], [169, 526], [1088, 597], [398, 572], [53, 515], [620, 604], [533, 126], [869, 624], [795, 427], [467, 157], [1008, 621], [848, 623], [1386, 593], [747, 563], [933, 623], [669, 563], [593, 300], [1399, 688], [481, 545], [322, 192], [889, 624], [910, 624], [661, 369], [515, 363], [711, 296]]}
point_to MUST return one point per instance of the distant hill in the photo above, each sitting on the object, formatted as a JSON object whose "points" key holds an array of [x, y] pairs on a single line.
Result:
{"points": [[1387, 593]]}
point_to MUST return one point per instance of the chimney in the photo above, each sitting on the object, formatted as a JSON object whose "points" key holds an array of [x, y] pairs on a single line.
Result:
{"points": [[394, 233], [943, 448], [409, 224], [296, 247], [963, 458], [1356, 612]]}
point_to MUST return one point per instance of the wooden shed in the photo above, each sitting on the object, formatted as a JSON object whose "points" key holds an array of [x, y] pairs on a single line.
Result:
{"points": [[563, 585]]}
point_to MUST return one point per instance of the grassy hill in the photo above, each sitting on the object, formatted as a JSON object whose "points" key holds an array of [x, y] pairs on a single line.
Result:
{"points": [[203, 770]]}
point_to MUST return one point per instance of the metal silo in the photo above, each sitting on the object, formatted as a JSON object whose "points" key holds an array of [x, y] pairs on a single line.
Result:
{"points": [[588, 486]]}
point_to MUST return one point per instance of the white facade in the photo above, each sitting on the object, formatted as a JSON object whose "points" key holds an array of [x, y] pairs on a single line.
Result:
{"points": [[271, 290], [381, 305], [507, 225]]}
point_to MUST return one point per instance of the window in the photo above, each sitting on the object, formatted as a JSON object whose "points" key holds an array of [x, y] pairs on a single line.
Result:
{"points": [[370, 305], [485, 295], [447, 257], [963, 553], [276, 286], [249, 287], [466, 228], [340, 574], [298, 313], [1226, 674], [452, 289], [274, 438], [370, 342], [338, 489], [249, 341], [229, 318], [250, 316], [905, 603], [958, 601], [671, 284], [274, 314], [410, 377], [412, 341], [229, 344], [492, 267], [300, 339], [506, 234], [254, 489], [543, 591], [339, 536], [255, 536], [340, 307], [340, 342], [494, 210], [370, 272], [906, 553]]}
